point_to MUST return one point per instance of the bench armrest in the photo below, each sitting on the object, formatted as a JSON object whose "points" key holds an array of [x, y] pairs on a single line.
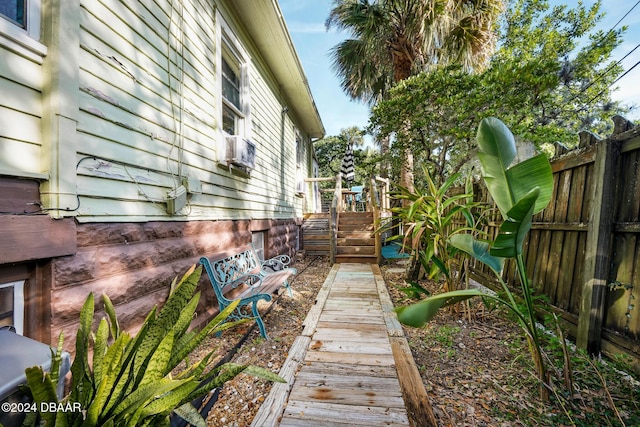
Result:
{"points": [[277, 263]]}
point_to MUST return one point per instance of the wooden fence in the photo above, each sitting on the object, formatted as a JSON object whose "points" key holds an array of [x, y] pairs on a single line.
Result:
{"points": [[583, 251]]}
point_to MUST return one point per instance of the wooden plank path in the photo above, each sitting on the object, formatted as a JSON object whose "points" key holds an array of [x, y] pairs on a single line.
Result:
{"points": [[343, 369]]}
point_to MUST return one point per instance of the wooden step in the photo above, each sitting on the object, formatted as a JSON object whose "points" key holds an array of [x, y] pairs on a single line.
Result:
{"points": [[356, 250], [311, 249], [357, 259], [312, 216], [314, 222], [356, 227], [355, 234], [308, 237], [323, 241], [316, 253], [316, 226], [357, 215], [351, 220], [356, 241]]}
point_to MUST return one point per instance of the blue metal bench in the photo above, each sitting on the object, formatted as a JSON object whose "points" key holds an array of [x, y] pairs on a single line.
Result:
{"points": [[242, 275]]}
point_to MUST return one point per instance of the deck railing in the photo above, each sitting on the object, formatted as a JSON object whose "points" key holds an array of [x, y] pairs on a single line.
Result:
{"points": [[376, 202]]}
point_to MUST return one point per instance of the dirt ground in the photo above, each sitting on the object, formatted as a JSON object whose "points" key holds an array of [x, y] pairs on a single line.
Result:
{"points": [[240, 399], [474, 364]]}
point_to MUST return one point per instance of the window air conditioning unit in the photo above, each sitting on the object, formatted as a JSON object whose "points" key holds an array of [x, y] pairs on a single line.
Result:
{"points": [[241, 152]]}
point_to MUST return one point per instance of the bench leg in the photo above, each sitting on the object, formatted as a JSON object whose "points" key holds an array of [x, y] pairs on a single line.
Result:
{"points": [[286, 285], [256, 314]]}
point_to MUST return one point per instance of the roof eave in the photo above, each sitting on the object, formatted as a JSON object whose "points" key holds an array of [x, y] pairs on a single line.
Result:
{"points": [[266, 26]]}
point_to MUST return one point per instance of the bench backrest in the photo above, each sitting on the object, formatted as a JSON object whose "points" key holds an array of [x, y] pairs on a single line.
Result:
{"points": [[230, 266]]}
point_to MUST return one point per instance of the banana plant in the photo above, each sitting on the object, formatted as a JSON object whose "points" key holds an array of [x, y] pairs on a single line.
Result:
{"points": [[519, 190], [129, 381]]}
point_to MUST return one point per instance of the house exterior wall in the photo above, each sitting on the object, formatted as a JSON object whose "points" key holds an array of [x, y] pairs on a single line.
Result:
{"points": [[134, 264], [21, 85], [118, 104], [136, 140]]}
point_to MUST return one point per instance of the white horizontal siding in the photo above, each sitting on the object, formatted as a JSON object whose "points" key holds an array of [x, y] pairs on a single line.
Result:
{"points": [[19, 157], [20, 114], [20, 70], [130, 99], [19, 126]]}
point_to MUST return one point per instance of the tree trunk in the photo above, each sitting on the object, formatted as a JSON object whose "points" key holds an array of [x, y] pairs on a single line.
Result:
{"points": [[384, 151], [406, 173], [413, 268]]}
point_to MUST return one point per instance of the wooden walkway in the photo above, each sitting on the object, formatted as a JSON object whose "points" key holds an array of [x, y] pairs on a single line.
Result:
{"points": [[352, 365]]}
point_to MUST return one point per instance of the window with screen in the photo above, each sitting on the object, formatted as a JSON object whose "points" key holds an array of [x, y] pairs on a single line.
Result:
{"points": [[257, 239], [232, 106]]}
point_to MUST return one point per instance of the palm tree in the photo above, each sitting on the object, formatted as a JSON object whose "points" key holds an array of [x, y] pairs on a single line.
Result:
{"points": [[395, 39]]}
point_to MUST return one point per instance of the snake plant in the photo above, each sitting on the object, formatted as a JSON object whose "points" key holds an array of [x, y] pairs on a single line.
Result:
{"points": [[129, 380]]}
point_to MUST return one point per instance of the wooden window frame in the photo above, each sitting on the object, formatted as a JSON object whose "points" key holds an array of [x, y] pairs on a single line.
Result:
{"points": [[18, 304]]}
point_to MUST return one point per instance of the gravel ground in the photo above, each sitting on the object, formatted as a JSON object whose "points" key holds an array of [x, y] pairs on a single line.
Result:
{"points": [[475, 365], [240, 398]]}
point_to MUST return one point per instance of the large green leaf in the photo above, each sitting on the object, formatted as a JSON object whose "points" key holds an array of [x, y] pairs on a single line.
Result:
{"points": [[56, 357], [477, 249], [188, 342], [168, 316], [42, 390], [95, 409], [113, 319], [515, 227], [120, 371], [169, 401], [157, 366], [189, 413], [263, 373], [532, 173], [509, 182], [419, 314], [82, 380], [186, 316], [99, 349], [141, 396]]}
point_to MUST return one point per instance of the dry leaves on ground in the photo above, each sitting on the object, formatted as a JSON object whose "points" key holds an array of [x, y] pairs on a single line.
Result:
{"points": [[240, 398], [475, 365]]}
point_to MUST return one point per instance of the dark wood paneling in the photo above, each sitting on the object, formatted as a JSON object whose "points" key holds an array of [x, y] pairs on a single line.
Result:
{"points": [[31, 237], [37, 304], [19, 196]]}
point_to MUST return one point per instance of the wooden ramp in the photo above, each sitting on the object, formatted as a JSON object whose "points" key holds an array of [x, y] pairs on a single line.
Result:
{"points": [[343, 369]]}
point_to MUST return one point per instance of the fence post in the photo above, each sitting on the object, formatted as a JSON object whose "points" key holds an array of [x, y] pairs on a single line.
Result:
{"points": [[598, 248]]}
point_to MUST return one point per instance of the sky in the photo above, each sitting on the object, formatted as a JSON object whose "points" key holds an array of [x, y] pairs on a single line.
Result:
{"points": [[305, 20]]}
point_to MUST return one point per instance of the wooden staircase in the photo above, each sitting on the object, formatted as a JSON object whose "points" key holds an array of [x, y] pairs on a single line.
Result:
{"points": [[316, 235], [356, 239], [355, 243]]}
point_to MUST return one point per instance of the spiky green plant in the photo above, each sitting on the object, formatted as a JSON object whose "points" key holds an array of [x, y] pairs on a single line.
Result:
{"points": [[519, 190], [431, 216], [129, 381]]}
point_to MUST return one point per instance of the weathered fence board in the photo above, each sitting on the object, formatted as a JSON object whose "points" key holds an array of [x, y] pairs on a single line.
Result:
{"points": [[583, 251]]}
